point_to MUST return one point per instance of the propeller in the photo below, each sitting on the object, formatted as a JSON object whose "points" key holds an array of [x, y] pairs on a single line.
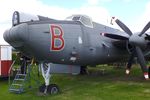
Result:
{"points": [[145, 29], [123, 27], [137, 41], [130, 61]]}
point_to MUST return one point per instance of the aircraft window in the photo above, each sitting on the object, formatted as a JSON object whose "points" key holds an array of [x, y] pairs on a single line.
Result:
{"points": [[76, 18], [19, 17], [85, 20], [15, 19]]}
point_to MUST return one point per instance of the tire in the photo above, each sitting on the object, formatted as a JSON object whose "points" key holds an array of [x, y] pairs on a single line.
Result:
{"points": [[53, 89], [42, 88]]}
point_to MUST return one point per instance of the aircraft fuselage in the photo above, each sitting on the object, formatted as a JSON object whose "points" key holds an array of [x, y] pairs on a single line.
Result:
{"points": [[65, 42]]}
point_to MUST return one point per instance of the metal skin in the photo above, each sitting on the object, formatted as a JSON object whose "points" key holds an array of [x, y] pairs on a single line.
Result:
{"points": [[71, 42], [34, 40]]}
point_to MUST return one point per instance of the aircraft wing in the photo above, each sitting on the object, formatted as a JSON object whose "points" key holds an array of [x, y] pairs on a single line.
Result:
{"points": [[118, 39], [120, 44]]}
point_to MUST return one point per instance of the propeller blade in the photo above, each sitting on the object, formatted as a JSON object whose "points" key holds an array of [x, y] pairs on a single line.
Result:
{"points": [[123, 27], [142, 62], [115, 36], [145, 29], [130, 61]]}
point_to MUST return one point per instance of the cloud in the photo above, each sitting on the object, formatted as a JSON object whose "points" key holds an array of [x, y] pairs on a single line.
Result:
{"points": [[145, 17], [93, 2], [127, 1], [96, 2], [142, 19], [7, 7], [98, 14]]}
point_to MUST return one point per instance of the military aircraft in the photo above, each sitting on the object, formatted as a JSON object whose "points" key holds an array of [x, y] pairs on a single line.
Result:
{"points": [[76, 41]]}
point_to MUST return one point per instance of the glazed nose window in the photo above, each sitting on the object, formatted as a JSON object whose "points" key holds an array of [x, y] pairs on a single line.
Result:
{"points": [[15, 18], [19, 17]]}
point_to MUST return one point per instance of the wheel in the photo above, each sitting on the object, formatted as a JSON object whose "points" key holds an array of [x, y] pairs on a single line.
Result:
{"points": [[42, 88], [53, 89]]}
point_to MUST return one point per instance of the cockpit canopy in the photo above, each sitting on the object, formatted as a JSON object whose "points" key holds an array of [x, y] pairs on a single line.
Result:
{"points": [[85, 20], [19, 17]]}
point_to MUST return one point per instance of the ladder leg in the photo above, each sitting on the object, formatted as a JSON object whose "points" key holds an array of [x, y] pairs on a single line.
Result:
{"points": [[18, 84]]}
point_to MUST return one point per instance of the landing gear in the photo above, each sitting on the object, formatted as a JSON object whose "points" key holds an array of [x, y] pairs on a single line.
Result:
{"points": [[47, 88], [51, 89]]}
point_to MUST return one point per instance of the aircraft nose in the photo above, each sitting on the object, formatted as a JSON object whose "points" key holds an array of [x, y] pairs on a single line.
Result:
{"points": [[17, 35]]}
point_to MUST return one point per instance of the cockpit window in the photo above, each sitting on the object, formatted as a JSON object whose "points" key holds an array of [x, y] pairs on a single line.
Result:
{"points": [[19, 17], [76, 18], [85, 20]]}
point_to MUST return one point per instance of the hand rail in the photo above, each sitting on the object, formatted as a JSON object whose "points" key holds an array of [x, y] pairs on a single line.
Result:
{"points": [[9, 72]]}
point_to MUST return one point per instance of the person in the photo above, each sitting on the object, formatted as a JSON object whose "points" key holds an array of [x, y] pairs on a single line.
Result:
{"points": [[24, 63]]}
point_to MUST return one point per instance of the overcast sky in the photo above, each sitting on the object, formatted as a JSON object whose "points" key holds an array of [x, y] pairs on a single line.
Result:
{"points": [[134, 13]]}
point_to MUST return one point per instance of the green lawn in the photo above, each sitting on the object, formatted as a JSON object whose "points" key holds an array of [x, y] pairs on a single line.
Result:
{"points": [[112, 85]]}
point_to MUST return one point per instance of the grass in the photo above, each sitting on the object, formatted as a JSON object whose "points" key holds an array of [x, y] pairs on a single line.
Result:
{"points": [[112, 85]]}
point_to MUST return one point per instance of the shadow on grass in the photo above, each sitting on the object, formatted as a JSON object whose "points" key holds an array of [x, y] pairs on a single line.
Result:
{"points": [[3, 78]]}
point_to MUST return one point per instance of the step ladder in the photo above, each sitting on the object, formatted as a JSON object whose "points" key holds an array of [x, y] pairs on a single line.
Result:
{"points": [[22, 80], [18, 83]]}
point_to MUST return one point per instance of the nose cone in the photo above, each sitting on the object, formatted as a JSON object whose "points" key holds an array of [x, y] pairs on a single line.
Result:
{"points": [[16, 36], [6, 35]]}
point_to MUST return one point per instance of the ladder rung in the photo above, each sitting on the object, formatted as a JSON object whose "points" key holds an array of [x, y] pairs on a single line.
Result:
{"points": [[17, 84], [16, 90], [21, 74], [19, 79]]}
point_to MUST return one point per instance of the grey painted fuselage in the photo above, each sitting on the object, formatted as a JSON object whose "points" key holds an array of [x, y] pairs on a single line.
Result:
{"points": [[85, 44]]}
